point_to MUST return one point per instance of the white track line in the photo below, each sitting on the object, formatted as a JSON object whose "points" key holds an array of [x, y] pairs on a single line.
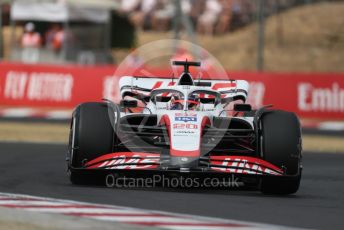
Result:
{"points": [[85, 210], [332, 126], [160, 219], [18, 112], [35, 112], [25, 202]]}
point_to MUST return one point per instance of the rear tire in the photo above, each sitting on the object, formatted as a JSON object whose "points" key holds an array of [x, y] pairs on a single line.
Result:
{"points": [[91, 136], [281, 146]]}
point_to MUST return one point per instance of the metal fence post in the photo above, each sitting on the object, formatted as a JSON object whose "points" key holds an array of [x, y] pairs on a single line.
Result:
{"points": [[261, 37]]}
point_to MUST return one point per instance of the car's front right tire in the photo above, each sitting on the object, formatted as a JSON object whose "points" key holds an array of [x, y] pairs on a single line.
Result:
{"points": [[91, 136]]}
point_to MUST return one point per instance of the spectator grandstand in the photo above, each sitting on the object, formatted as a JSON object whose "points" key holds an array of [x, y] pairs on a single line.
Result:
{"points": [[60, 39], [209, 17]]}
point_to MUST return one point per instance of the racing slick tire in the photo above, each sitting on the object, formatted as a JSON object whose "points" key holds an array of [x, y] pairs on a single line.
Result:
{"points": [[281, 146], [91, 135]]}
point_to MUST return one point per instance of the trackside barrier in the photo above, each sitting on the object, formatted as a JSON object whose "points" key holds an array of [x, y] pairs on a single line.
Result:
{"points": [[310, 95]]}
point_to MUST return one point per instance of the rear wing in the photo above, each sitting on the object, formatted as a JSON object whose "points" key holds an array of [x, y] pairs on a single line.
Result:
{"points": [[140, 87]]}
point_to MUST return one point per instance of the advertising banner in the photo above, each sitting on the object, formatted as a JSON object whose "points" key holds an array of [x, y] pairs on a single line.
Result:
{"points": [[319, 95]]}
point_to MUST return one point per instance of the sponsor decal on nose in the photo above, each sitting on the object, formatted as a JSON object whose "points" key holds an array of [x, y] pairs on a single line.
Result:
{"points": [[186, 119]]}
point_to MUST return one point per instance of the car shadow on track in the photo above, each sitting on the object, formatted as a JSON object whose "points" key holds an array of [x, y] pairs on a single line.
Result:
{"points": [[250, 189]]}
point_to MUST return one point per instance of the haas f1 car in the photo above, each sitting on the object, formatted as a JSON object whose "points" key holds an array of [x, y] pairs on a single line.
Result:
{"points": [[183, 126]]}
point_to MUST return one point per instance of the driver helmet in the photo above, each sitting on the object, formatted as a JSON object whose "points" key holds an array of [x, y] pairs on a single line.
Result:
{"points": [[193, 102], [175, 102]]}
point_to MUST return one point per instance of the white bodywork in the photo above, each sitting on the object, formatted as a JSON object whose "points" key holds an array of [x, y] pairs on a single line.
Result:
{"points": [[144, 85], [184, 125]]}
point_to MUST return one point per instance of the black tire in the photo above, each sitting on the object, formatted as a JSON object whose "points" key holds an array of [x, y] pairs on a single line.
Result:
{"points": [[91, 136], [281, 146]]}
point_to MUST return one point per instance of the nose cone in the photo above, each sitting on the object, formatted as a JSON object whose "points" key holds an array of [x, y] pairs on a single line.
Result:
{"points": [[185, 134]]}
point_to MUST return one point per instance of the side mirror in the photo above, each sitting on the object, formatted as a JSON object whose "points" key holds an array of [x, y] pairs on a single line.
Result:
{"points": [[242, 107], [128, 103]]}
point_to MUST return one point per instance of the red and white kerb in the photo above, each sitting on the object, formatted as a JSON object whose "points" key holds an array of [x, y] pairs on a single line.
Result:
{"points": [[120, 214]]}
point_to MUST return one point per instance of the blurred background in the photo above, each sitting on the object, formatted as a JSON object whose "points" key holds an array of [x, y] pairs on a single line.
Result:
{"points": [[56, 54], [270, 35]]}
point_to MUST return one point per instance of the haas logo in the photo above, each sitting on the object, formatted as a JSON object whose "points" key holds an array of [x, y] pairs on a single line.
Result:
{"points": [[123, 163], [242, 166]]}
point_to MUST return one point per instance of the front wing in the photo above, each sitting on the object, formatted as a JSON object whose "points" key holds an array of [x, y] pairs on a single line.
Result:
{"points": [[143, 162]]}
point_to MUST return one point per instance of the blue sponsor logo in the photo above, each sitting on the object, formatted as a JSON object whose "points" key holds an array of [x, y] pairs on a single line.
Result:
{"points": [[186, 119]]}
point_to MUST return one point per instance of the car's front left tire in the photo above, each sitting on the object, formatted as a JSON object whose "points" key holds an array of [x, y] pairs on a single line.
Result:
{"points": [[281, 145]]}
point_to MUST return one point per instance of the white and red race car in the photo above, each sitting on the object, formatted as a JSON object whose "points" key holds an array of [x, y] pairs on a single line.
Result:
{"points": [[183, 127]]}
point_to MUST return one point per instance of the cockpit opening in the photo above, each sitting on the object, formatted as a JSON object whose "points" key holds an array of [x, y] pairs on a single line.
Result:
{"points": [[199, 100]]}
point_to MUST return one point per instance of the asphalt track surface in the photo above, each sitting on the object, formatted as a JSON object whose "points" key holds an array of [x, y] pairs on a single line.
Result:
{"points": [[39, 169]]}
